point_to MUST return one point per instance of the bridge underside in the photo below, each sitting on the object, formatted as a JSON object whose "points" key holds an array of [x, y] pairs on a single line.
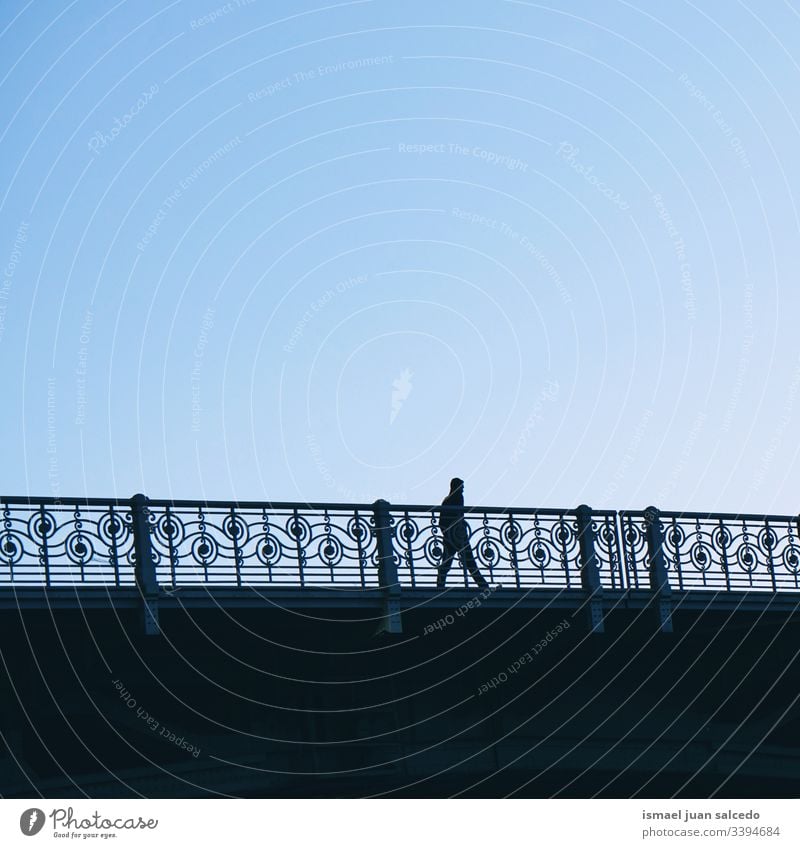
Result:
{"points": [[294, 694]]}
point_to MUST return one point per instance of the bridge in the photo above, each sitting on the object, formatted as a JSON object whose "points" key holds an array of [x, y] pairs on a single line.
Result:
{"points": [[165, 554], [185, 648]]}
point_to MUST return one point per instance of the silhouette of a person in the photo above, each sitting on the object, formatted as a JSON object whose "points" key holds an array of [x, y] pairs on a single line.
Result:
{"points": [[456, 537]]}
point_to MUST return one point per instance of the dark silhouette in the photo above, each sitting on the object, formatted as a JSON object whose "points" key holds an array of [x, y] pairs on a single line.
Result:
{"points": [[456, 537]]}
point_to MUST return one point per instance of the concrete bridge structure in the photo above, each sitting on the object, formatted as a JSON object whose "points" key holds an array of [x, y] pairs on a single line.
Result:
{"points": [[185, 648]]}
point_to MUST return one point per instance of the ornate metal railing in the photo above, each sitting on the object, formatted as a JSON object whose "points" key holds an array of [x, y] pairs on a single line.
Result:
{"points": [[518, 548], [715, 551], [58, 542], [91, 541], [249, 544], [159, 543], [45, 541]]}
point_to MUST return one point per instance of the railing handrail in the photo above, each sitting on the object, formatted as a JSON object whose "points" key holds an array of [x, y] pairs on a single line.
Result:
{"points": [[317, 506], [321, 506], [33, 500]]}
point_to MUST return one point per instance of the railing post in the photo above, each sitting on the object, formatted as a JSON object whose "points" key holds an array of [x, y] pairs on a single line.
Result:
{"points": [[590, 572], [387, 569], [145, 568], [659, 578]]}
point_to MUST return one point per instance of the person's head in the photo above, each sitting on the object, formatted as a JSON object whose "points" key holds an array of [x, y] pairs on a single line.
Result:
{"points": [[456, 484]]}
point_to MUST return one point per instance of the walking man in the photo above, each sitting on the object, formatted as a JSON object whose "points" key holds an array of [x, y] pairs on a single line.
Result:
{"points": [[456, 537]]}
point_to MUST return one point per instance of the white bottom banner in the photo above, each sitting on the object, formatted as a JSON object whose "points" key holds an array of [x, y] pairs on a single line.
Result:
{"points": [[390, 823]]}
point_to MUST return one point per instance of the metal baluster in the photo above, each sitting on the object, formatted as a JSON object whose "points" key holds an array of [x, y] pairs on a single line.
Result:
{"points": [[564, 558], [676, 557], [329, 545], [634, 561], [170, 536], [237, 552], [604, 550], [409, 554], [770, 562], [698, 532], [790, 540], [627, 535], [82, 552], [725, 563], [513, 537], [797, 536], [616, 556], [7, 546], [301, 556], [361, 555], [435, 534], [467, 540], [114, 557], [44, 557], [537, 535], [487, 547], [746, 540], [204, 546], [265, 528]]}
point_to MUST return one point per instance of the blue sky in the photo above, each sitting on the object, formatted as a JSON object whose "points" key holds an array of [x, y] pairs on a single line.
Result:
{"points": [[297, 251]]}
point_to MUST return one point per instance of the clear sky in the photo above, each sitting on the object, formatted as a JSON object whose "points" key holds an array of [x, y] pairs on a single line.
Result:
{"points": [[336, 252]]}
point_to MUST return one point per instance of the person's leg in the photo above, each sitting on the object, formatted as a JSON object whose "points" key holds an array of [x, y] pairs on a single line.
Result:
{"points": [[444, 566], [460, 539], [468, 561]]}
